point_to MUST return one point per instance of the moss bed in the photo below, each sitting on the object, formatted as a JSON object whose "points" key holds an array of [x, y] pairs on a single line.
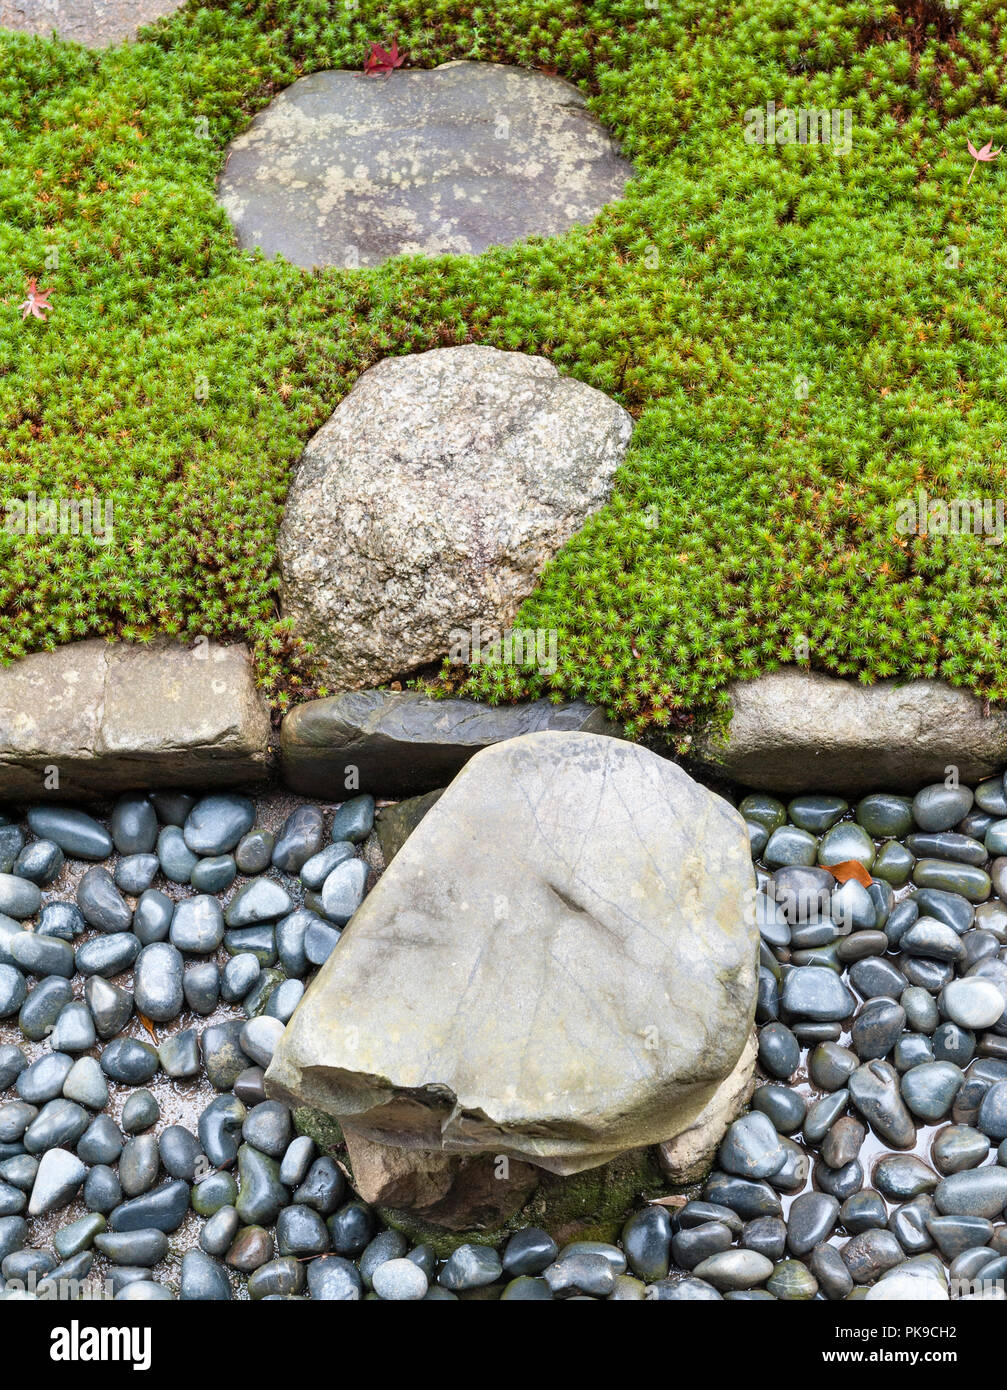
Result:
{"points": [[805, 338]]}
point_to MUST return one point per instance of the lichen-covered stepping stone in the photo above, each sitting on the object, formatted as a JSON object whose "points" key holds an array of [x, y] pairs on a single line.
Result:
{"points": [[94, 23], [343, 169]]}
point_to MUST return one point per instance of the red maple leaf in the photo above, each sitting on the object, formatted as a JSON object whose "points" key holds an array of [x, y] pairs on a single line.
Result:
{"points": [[380, 61], [847, 869], [983, 156], [37, 302]]}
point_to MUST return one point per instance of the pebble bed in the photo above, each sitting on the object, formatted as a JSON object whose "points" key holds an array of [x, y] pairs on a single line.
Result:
{"points": [[873, 1161], [149, 961]]}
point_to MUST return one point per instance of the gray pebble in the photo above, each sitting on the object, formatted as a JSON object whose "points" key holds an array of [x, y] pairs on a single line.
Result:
{"points": [[201, 987], [77, 834], [215, 874], [100, 902], [179, 1054], [135, 874], [197, 926], [111, 1007], [130, 1061], [157, 982], [140, 1111], [216, 823]]}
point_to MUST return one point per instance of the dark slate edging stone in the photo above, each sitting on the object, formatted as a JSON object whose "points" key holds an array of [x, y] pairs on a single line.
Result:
{"points": [[403, 743], [114, 716], [794, 731]]}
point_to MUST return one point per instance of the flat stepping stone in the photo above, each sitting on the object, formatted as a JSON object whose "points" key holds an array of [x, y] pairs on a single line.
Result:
{"points": [[93, 23], [793, 731], [347, 170]]}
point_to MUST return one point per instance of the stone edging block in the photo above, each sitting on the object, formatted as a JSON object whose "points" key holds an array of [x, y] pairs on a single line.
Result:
{"points": [[403, 743], [110, 716], [794, 731]]}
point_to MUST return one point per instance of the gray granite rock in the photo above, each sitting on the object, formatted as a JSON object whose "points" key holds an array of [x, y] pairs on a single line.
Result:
{"points": [[646, 955], [93, 23], [342, 169], [397, 542]]}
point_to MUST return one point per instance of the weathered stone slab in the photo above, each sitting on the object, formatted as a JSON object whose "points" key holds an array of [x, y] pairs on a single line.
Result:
{"points": [[400, 539], [557, 966], [347, 170], [794, 731], [402, 743], [112, 716], [93, 23]]}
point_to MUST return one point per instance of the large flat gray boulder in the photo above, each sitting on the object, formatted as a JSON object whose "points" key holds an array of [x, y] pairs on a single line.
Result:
{"points": [[401, 743], [346, 169], [794, 731], [93, 23], [110, 716], [432, 500], [557, 966]]}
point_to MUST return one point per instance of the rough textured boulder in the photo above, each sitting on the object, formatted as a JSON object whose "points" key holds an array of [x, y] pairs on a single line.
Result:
{"points": [[794, 731], [479, 1192], [112, 716], [403, 743], [557, 966], [342, 169], [395, 538], [94, 23], [457, 1192]]}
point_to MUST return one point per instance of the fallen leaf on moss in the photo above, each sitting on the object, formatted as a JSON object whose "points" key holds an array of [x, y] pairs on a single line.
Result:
{"points": [[381, 61]]}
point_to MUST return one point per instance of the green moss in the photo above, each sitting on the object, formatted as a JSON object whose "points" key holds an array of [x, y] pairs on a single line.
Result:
{"points": [[269, 981], [587, 1206], [804, 338], [594, 1205], [444, 1242], [322, 1128]]}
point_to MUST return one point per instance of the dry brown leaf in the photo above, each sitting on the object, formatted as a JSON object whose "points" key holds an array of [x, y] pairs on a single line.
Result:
{"points": [[147, 1024], [850, 868]]}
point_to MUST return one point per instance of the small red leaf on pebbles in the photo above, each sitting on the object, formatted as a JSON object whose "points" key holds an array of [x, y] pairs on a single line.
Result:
{"points": [[850, 868]]}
